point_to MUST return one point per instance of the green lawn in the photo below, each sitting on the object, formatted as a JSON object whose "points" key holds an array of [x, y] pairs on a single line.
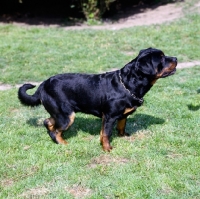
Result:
{"points": [[34, 54], [161, 159]]}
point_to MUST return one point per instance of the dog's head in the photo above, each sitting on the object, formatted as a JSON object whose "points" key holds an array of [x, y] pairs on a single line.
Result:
{"points": [[153, 63]]}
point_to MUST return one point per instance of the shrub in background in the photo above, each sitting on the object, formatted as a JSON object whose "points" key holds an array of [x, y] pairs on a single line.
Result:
{"points": [[90, 9], [94, 9]]}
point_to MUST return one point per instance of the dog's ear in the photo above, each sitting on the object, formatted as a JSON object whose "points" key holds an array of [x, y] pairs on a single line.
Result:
{"points": [[146, 62], [135, 62]]}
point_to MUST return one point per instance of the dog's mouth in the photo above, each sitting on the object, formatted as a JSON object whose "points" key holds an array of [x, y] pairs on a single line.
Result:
{"points": [[166, 74], [168, 71]]}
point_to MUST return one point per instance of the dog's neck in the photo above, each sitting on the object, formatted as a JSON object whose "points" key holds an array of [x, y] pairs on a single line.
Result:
{"points": [[135, 83], [140, 100]]}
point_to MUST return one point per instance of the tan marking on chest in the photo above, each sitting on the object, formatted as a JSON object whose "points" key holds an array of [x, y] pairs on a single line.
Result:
{"points": [[154, 81], [128, 110]]}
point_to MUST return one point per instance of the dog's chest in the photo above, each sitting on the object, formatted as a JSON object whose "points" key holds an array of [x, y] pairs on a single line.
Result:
{"points": [[129, 110]]}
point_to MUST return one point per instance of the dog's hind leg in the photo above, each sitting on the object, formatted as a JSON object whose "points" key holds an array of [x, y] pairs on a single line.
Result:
{"points": [[55, 130]]}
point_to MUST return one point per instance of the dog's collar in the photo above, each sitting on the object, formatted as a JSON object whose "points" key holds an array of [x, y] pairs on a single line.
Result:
{"points": [[140, 100]]}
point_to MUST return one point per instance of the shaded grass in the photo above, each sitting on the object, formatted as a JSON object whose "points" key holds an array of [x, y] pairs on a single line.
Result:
{"points": [[34, 54], [159, 160]]}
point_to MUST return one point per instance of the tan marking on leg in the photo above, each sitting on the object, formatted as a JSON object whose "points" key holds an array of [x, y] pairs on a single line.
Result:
{"points": [[50, 123], [106, 143], [154, 81], [101, 136], [59, 139], [58, 132], [101, 132], [71, 118], [121, 127], [104, 140], [127, 110]]}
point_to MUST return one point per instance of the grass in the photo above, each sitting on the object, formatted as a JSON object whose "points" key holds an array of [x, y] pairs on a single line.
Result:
{"points": [[160, 159], [28, 54]]}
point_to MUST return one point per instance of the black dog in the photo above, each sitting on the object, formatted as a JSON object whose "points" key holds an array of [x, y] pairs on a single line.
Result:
{"points": [[111, 96]]}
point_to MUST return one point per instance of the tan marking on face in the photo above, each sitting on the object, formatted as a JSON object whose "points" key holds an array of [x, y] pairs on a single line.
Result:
{"points": [[128, 110], [168, 69]]}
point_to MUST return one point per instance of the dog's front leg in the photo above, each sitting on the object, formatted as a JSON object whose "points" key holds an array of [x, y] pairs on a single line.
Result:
{"points": [[121, 127], [106, 133], [121, 124]]}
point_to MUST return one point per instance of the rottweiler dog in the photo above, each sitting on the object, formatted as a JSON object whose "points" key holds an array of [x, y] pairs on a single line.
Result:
{"points": [[112, 96]]}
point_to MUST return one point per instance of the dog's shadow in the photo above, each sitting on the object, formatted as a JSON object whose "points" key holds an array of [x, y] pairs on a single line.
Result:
{"points": [[92, 125], [192, 107]]}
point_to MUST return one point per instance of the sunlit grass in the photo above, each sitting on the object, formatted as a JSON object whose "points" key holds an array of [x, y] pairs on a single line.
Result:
{"points": [[34, 54], [161, 157], [159, 160]]}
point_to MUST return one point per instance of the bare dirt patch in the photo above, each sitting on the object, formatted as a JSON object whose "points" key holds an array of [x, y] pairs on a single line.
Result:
{"points": [[7, 182], [8, 86], [140, 17], [107, 160], [35, 192], [78, 191], [137, 136], [136, 16], [188, 64], [156, 14], [4, 87]]}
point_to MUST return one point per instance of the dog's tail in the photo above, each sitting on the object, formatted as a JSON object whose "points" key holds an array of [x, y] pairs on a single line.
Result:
{"points": [[29, 100]]}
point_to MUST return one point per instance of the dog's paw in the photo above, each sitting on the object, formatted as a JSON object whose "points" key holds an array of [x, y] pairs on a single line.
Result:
{"points": [[124, 134], [53, 136], [107, 147], [56, 138]]}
